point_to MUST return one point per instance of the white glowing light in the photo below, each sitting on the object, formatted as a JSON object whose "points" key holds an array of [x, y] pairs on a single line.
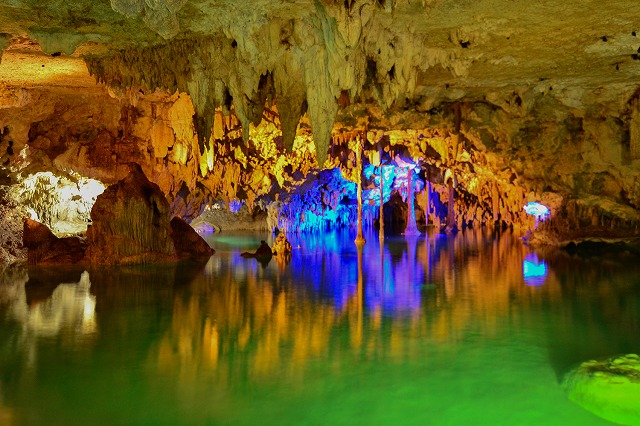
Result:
{"points": [[61, 202], [540, 211]]}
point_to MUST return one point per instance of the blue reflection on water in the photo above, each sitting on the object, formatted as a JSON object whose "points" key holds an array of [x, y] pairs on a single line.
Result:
{"points": [[392, 279], [534, 270]]}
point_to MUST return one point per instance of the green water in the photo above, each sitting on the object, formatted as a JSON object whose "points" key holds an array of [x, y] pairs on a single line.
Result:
{"points": [[427, 331]]}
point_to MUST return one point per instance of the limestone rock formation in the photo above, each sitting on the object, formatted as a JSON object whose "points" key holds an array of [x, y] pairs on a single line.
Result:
{"points": [[187, 242], [130, 223], [609, 388], [44, 248], [281, 246]]}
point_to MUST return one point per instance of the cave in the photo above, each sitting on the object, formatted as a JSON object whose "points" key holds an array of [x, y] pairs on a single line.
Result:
{"points": [[286, 212]]}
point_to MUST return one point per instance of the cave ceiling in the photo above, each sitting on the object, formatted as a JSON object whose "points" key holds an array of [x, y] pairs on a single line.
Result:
{"points": [[423, 51]]}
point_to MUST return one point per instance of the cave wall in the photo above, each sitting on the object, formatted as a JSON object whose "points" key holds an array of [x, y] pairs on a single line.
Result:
{"points": [[501, 151]]}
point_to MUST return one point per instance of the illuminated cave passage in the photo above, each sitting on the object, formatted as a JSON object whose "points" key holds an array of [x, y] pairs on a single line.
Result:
{"points": [[259, 212]]}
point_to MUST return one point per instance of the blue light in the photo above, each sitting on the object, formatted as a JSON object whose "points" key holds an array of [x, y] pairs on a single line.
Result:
{"points": [[534, 270], [235, 205]]}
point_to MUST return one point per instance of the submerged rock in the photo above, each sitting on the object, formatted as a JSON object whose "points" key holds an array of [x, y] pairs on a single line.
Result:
{"points": [[609, 389], [263, 252]]}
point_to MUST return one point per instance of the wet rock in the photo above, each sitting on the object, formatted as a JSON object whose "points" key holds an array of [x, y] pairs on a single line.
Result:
{"points": [[187, 242], [45, 248], [281, 246], [609, 389], [130, 223], [263, 252]]}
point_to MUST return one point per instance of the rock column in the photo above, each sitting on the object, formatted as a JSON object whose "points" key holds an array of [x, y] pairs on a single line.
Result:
{"points": [[359, 147], [411, 228]]}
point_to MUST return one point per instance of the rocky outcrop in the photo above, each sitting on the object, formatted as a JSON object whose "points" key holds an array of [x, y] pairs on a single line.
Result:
{"points": [[44, 248], [187, 242], [282, 246], [130, 223], [609, 388], [262, 252], [590, 219]]}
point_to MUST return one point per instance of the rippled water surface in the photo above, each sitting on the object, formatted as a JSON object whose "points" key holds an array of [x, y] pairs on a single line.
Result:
{"points": [[436, 330]]}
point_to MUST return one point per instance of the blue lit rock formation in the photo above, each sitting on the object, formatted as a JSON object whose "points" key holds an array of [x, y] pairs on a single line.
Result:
{"points": [[610, 388]]}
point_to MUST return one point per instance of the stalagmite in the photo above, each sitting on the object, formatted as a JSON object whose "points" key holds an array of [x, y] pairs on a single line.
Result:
{"points": [[427, 202], [411, 229], [359, 147], [451, 214], [381, 232]]}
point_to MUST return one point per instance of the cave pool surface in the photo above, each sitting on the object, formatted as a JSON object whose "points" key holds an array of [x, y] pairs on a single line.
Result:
{"points": [[430, 330]]}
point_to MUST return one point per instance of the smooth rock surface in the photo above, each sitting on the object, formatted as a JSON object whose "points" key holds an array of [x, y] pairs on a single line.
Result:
{"points": [[610, 388]]}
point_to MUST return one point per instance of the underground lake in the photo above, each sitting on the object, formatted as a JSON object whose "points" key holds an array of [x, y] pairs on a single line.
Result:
{"points": [[435, 329]]}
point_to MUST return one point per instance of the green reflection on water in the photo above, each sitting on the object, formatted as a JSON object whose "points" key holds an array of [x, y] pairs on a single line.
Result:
{"points": [[426, 331]]}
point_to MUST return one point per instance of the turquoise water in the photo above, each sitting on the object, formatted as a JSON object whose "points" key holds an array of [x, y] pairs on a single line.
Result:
{"points": [[436, 330]]}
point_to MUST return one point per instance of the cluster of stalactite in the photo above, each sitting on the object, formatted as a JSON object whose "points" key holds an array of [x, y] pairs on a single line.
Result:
{"points": [[587, 219], [316, 201]]}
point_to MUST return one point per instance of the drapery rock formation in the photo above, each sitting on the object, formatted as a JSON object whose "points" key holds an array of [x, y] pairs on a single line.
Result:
{"points": [[245, 101]]}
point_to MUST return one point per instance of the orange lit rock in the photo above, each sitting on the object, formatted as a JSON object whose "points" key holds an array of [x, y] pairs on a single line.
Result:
{"points": [[130, 223], [44, 248], [281, 246]]}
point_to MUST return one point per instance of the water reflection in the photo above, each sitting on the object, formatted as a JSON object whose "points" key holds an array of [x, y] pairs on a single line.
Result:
{"points": [[233, 340], [53, 308], [279, 318], [534, 270]]}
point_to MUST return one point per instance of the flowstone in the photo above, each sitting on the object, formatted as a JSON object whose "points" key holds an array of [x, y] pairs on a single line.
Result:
{"points": [[609, 389]]}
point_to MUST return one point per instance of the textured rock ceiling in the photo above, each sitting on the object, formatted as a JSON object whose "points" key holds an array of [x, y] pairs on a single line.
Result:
{"points": [[423, 52]]}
